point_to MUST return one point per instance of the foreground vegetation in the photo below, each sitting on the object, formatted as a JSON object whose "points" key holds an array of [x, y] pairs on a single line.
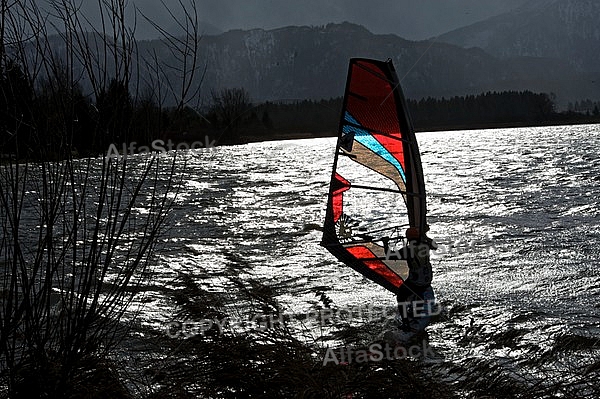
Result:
{"points": [[78, 235], [281, 359]]}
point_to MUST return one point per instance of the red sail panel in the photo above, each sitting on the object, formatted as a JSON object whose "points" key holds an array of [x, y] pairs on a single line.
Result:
{"points": [[363, 254], [371, 99], [339, 186], [393, 145]]}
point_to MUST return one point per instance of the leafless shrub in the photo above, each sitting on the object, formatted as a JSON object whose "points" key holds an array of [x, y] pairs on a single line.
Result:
{"points": [[78, 235]]}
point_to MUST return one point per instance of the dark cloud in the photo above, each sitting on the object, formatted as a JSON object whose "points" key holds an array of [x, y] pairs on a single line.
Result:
{"points": [[407, 18]]}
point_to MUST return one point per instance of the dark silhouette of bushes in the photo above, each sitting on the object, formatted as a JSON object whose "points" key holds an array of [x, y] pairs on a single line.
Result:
{"points": [[16, 116], [78, 234], [310, 118], [58, 114], [115, 114], [489, 109]]}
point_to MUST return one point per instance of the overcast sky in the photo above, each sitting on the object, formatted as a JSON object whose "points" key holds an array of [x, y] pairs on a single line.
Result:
{"points": [[411, 19]]}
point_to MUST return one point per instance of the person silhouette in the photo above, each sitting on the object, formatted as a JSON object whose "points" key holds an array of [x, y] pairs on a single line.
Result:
{"points": [[416, 299]]}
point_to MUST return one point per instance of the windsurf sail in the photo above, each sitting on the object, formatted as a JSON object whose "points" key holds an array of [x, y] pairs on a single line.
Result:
{"points": [[377, 188]]}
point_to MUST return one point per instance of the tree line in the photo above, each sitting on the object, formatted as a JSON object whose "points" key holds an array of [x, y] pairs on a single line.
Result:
{"points": [[309, 118], [587, 107], [39, 118], [487, 109], [232, 117]]}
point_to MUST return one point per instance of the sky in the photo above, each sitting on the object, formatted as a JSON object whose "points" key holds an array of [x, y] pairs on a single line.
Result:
{"points": [[410, 19]]}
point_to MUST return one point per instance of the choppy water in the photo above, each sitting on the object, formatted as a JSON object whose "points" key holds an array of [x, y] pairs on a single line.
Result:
{"points": [[516, 213]]}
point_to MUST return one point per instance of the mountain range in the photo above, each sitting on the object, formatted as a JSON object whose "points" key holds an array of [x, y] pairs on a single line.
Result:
{"points": [[556, 29], [547, 46], [550, 46]]}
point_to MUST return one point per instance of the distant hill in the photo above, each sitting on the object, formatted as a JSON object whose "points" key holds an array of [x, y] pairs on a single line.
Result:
{"points": [[563, 29], [301, 62], [311, 62], [560, 31]]}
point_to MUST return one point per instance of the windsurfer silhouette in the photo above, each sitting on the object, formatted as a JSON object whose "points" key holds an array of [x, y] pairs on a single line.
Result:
{"points": [[416, 300]]}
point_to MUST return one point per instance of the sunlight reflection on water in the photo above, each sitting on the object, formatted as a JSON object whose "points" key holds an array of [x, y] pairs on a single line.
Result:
{"points": [[515, 209]]}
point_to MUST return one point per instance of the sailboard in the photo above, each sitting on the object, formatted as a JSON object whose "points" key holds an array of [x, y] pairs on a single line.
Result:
{"points": [[377, 189]]}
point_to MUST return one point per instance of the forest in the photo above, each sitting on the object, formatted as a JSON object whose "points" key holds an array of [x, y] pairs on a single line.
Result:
{"points": [[87, 126], [486, 110]]}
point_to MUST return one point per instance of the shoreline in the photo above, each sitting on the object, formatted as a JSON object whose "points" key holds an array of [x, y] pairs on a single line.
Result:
{"points": [[253, 138], [6, 158]]}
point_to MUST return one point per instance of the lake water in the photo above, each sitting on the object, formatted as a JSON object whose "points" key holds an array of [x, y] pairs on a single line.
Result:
{"points": [[516, 213]]}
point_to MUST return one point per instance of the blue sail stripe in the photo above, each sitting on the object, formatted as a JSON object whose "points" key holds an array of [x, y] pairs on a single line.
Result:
{"points": [[365, 138]]}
